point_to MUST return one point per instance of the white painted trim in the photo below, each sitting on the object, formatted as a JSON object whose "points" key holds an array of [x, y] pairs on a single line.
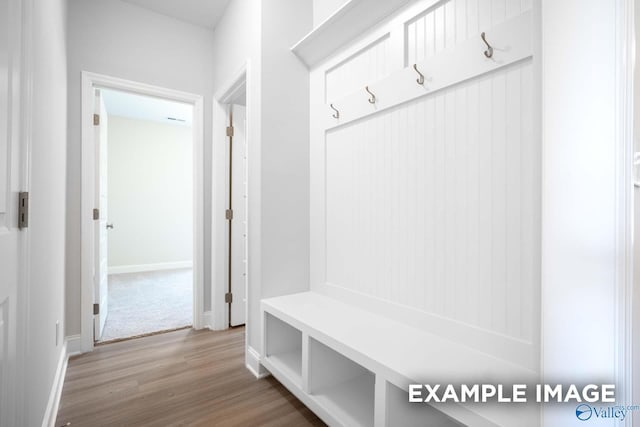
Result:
{"points": [[51, 412], [515, 39], [220, 193], [231, 87], [305, 312], [22, 18], [512, 40], [252, 361], [74, 345], [219, 232], [625, 57], [119, 269], [206, 320], [346, 24], [537, 111], [519, 352], [612, 296], [89, 82], [394, 23], [198, 202]]}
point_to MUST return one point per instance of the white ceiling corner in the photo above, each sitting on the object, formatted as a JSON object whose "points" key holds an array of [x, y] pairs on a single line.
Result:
{"points": [[204, 13]]}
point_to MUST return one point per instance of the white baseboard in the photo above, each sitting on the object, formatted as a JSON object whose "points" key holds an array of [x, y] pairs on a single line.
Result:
{"points": [[119, 269], [207, 319], [74, 345], [51, 412], [252, 361]]}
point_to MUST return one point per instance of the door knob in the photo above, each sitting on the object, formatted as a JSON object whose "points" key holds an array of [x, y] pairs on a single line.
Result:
{"points": [[109, 226]]}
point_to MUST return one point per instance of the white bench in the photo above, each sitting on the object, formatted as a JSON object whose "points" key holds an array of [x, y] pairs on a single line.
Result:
{"points": [[352, 367]]}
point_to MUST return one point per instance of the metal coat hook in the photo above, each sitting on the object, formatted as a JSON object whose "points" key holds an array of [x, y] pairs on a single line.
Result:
{"points": [[489, 52], [337, 113], [419, 80], [372, 100]]}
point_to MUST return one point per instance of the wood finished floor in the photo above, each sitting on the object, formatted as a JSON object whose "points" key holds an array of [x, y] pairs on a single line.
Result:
{"points": [[182, 378]]}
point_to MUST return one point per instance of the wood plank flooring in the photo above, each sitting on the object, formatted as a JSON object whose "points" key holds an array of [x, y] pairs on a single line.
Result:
{"points": [[182, 378]]}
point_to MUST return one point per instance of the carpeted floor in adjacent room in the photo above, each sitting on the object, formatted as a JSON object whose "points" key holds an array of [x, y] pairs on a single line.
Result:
{"points": [[142, 303]]}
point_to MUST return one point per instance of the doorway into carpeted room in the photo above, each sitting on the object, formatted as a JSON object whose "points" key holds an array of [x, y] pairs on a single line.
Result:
{"points": [[146, 221], [148, 302]]}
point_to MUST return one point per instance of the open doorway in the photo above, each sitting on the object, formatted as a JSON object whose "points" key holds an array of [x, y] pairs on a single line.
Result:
{"points": [[145, 226], [231, 195], [237, 211], [142, 185]]}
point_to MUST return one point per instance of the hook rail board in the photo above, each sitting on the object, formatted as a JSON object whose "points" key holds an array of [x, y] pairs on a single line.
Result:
{"points": [[511, 42]]}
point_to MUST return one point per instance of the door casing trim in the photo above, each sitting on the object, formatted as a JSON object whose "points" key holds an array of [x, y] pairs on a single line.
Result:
{"points": [[90, 81]]}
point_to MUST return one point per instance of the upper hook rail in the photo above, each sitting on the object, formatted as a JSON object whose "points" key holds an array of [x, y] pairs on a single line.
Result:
{"points": [[372, 99], [419, 80], [489, 52], [336, 115]]}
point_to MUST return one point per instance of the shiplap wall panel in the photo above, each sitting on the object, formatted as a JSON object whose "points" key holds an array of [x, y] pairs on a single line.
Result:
{"points": [[513, 201], [433, 204], [485, 163], [472, 167], [498, 11], [485, 16], [368, 65], [531, 202], [453, 21], [499, 200]]}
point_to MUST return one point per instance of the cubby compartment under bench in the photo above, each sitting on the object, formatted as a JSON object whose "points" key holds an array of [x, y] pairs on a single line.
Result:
{"points": [[352, 367]]}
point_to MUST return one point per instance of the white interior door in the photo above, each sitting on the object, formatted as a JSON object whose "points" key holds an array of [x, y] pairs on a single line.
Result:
{"points": [[11, 237], [101, 282], [239, 222]]}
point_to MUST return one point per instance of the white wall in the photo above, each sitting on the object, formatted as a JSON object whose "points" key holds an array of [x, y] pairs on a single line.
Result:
{"points": [[122, 40], [236, 49], [150, 193], [285, 149], [322, 9], [580, 249], [46, 284], [277, 121]]}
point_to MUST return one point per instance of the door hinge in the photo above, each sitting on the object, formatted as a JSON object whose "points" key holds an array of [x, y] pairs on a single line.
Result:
{"points": [[228, 298], [229, 130], [228, 214], [23, 209], [96, 214], [96, 119], [96, 309]]}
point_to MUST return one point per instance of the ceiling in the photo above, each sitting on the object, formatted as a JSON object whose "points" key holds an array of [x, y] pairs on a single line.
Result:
{"points": [[205, 13], [141, 107]]}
